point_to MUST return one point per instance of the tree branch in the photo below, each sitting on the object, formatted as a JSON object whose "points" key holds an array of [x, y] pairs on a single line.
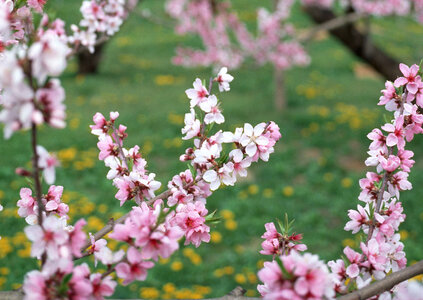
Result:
{"points": [[385, 284], [357, 43], [36, 174], [330, 25]]}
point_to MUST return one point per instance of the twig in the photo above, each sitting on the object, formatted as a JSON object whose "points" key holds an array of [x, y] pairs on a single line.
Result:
{"points": [[385, 284], [36, 174]]}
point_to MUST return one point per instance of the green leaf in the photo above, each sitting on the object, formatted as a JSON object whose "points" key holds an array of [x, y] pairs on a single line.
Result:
{"points": [[211, 216], [192, 170], [281, 226]]}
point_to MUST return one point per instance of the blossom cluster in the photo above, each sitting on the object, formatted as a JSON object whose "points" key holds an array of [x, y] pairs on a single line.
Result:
{"points": [[57, 245], [28, 207], [23, 101], [127, 167], [382, 213], [153, 228], [276, 243], [100, 18], [297, 277], [215, 23]]}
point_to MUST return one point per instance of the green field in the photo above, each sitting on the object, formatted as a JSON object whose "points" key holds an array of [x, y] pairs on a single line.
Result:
{"points": [[313, 174]]}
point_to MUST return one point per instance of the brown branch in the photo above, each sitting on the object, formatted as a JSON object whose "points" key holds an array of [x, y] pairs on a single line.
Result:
{"points": [[385, 284], [36, 174], [329, 25], [357, 43]]}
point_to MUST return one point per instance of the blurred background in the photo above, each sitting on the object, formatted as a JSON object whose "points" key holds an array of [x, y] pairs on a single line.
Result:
{"points": [[313, 174]]}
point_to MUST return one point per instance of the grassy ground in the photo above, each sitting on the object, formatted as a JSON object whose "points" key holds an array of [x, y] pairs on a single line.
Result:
{"points": [[313, 174]]}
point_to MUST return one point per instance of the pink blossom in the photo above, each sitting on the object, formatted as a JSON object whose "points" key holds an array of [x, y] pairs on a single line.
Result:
{"points": [[192, 126], [369, 190], [355, 259], [379, 140], [37, 5], [135, 268], [136, 185], [410, 79], [390, 164], [375, 251], [358, 218], [50, 99], [252, 138], [47, 239], [77, 238], [96, 246], [80, 286], [191, 219], [27, 206], [223, 175], [399, 182], [390, 98], [406, 162], [102, 287], [48, 163], [223, 79], [306, 277], [271, 232], [101, 125], [53, 201], [396, 135], [198, 94], [107, 147], [239, 162], [35, 287], [211, 107], [48, 56]]}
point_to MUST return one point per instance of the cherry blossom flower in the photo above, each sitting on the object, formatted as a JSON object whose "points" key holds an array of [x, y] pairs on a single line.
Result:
{"points": [[192, 126], [198, 94], [223, 175], [410, 79], [27, 206], [47, 239], [390, 98], [48, 163], [191, 219], [96, 247], [223, 79], [77, 238], [102, 287], [252, 137], [135, 268], [37, 5], [34, 286], [211, 107], [48, 56], [396, 135]]}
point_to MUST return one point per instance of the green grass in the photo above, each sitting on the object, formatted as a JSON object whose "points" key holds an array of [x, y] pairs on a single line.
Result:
{"points": [[319, 159]]}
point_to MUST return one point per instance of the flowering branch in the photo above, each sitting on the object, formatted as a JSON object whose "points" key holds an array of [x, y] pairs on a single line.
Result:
{"points": [[111, 223], [385, 284]]}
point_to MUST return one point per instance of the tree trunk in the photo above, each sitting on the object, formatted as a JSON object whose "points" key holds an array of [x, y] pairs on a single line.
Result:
{"points": [[357, 42], [88, 63], [280, 99]]}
